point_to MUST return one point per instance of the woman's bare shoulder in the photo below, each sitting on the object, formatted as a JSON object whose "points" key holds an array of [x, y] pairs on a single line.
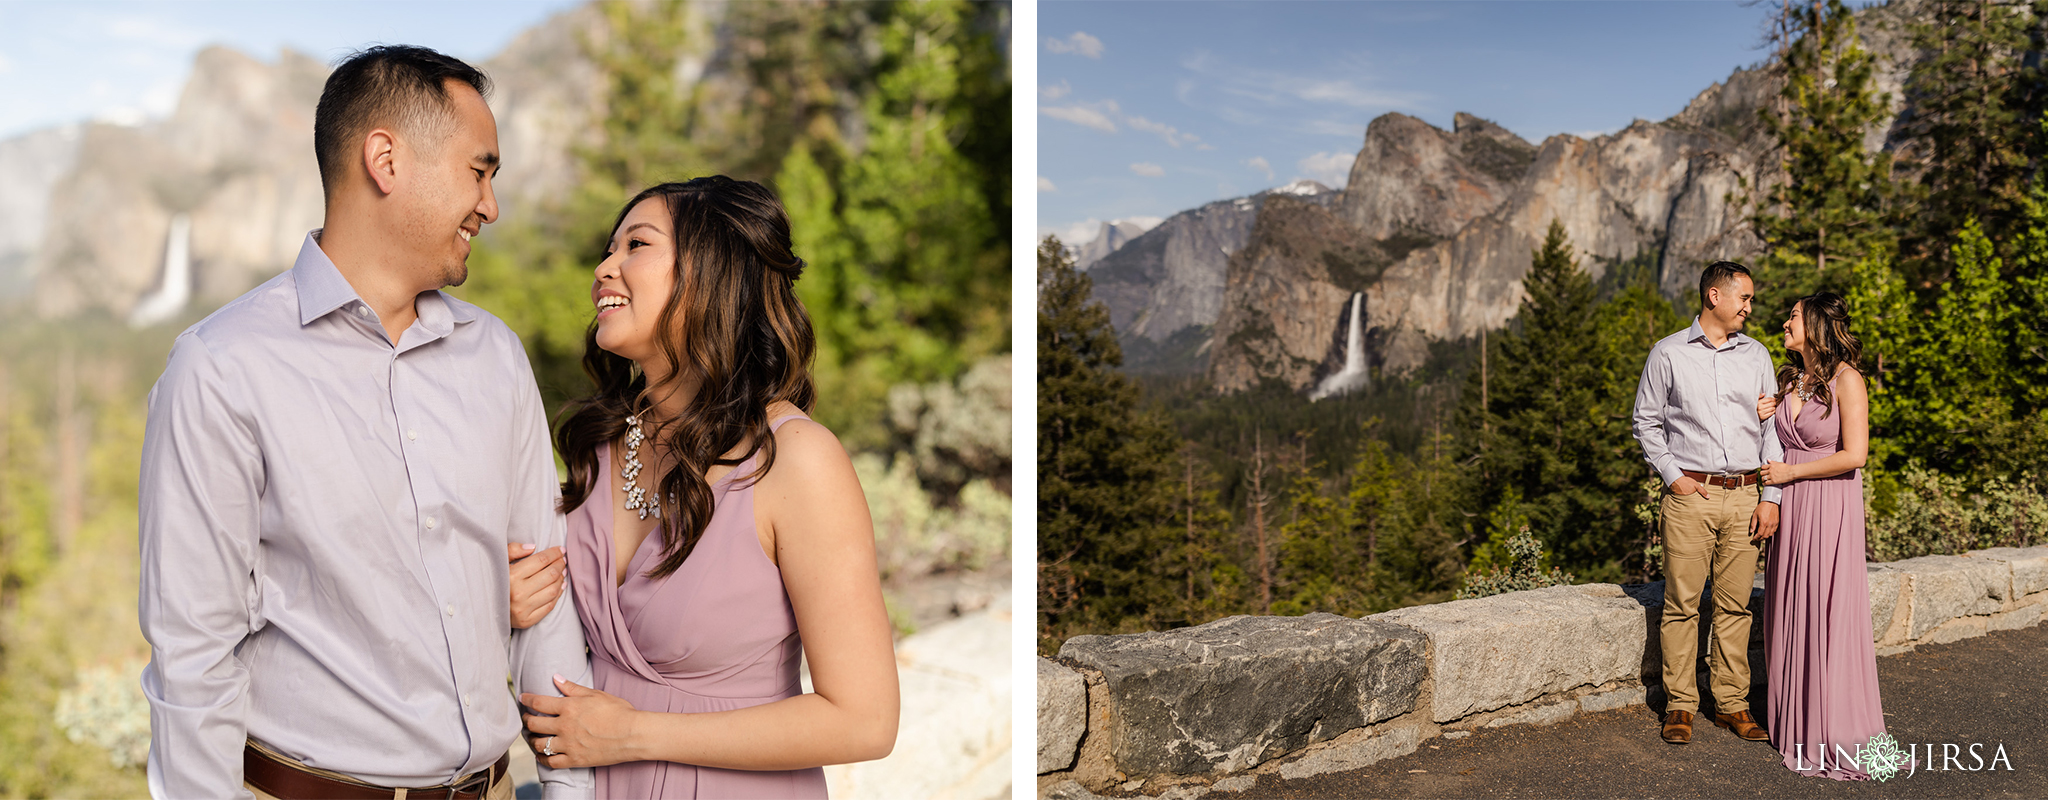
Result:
{"points": [[805, 449]]}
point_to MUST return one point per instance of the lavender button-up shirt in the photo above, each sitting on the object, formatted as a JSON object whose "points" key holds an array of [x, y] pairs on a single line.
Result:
{"points": [[1696, 407], [323, 526]]}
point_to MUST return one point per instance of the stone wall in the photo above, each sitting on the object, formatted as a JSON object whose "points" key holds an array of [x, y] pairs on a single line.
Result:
{"points": [[1211, 705]]}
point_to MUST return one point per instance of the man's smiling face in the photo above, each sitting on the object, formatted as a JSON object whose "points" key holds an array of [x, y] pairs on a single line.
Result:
{"points": [[1732, 302], [453, 198]]}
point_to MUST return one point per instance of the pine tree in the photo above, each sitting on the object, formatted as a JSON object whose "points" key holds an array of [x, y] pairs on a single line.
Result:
{"points": [[1829, 209], [906, 237], [1630, 323], [1543, 433], [1212, 586], [1105, 472], [1967, 125]]}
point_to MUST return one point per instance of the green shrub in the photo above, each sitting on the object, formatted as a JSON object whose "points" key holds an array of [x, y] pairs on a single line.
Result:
{"points": [[1525, 571], [1929, 513]]}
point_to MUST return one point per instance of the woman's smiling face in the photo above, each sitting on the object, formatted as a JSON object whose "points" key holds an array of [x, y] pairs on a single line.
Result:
{"points": [[1795, 330], [635, 280]]}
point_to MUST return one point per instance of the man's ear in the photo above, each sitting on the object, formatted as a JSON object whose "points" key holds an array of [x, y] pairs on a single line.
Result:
{"points": [[380, 158], [1713, 297]]}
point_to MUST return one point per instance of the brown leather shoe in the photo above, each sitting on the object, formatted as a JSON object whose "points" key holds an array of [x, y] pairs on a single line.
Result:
{"points": [[1678, 727], [1743, 725]]}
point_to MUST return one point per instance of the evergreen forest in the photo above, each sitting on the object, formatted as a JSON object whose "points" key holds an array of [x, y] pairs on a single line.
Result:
{"points": [[1507, 460]]}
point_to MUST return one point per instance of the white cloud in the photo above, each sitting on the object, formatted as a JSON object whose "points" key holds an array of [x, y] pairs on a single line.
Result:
{"points": [[1045, 184], [1080, 44], [1148, 170], [1330, 169], [1171, 134], [1096, 115], [1275, 89], [1342, 92], [1074, 235], [1056, 92], [148, 29], [6, 66], [1259, 163]]}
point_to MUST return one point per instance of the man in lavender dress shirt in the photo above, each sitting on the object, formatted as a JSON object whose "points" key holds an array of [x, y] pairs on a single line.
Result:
{"points": [[1696, 418], [334, 466]]}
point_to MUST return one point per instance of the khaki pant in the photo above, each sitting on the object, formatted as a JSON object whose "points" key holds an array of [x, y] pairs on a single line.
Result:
{"points": [[501, 790], [1702, 537]]}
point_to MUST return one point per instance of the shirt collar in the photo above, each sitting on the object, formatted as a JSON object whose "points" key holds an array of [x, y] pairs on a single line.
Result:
{"points": [[1699, 334], [322, 289]]}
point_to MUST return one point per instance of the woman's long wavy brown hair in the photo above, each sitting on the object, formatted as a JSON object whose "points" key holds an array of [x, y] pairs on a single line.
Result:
{"points": [[732, 320], [1825, 318]]}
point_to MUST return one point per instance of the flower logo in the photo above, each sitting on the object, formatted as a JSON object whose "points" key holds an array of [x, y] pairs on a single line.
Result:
{"points": [[1882, 757]]}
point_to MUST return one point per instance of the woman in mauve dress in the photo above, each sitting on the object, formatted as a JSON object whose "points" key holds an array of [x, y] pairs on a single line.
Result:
{"points": [[1822, 702], [717, 535]]}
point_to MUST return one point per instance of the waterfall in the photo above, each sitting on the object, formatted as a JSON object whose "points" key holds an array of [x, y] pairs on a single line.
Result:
{"points": [[1354, 375], [174, 288]]}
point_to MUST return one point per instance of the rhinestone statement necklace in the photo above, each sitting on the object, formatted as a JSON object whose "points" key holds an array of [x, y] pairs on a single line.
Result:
{"points": [[636, 497], [1806, 388]]}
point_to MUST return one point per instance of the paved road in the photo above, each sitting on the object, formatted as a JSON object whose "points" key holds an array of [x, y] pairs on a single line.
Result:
{"points": [[1991, 690]]}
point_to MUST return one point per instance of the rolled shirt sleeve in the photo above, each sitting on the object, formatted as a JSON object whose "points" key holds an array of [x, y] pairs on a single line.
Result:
{"points": [[1773, 450], [201, 481], [553, 646]]}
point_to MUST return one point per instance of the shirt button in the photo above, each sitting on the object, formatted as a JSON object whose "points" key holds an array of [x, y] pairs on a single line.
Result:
{"points": [[412, 435], [363, 311], [450, 609], [430, 523]]}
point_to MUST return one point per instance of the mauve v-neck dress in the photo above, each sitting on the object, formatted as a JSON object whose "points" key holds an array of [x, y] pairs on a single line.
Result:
{"points": [[1822, 662], [716, 634]]}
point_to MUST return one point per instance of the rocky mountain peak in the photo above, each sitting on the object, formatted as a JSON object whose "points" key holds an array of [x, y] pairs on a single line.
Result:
{"points": [[1414, 179]]}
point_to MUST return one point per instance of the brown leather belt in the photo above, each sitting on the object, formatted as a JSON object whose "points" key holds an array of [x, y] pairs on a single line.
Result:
{"points": [[1725, 482], [289, 782]]}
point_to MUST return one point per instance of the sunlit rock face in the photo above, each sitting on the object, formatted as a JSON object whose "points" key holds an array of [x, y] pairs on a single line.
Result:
{"points": [[1411, 177]]}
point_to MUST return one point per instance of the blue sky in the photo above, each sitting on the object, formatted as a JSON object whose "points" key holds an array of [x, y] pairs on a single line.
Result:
{"points": [[126, 61], [1146, 109]]}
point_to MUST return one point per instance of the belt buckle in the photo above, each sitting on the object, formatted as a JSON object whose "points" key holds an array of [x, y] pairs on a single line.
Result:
{"points": [[480, 782]]}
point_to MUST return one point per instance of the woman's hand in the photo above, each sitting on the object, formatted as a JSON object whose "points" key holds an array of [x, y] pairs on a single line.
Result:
{"points": [[1766, 405], [583, 728], [537, 582], [1779, 473]]}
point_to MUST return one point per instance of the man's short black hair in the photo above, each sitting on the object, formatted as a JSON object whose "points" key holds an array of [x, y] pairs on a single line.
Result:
{"points": [[398, 86], [1719, 273]]}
